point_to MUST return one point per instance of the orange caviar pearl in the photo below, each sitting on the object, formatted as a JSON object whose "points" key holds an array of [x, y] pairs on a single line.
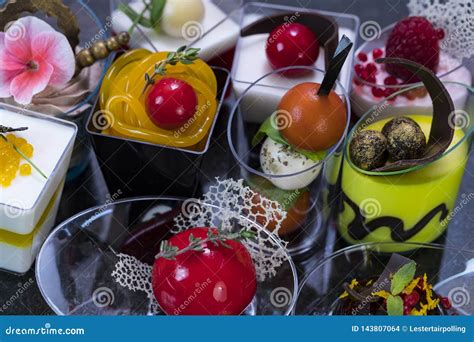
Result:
{"points": [[25, 170], [10, 159]]}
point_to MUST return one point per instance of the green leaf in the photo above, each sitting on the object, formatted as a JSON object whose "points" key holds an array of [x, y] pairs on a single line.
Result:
{"points": [[156, 11], [286, 198], [394, 306], [134, 16], [314, 156], [181, 49], [403, 277], [269, 129]]}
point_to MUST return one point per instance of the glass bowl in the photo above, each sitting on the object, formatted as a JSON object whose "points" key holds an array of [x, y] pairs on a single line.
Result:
{"points": [[449, 269], [414, 204], [74, 266], [261, 99]]}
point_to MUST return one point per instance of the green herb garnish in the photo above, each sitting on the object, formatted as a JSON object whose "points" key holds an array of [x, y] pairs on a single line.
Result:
{"points": [[154, 9], [400, 280], [269, 128], [183, 55], [403, 277], [217, 237], [394, 305]]}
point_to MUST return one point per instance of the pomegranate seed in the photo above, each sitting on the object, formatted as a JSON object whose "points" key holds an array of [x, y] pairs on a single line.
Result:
{"points": [[390, 80], [387, 92], [371, 68], [377, 92], [359, 68], [406, 310], [362, 56], [412, 299], [440, 33], [377, 53], [356, 81], [371, 78], [446, 303], [420, 282]]}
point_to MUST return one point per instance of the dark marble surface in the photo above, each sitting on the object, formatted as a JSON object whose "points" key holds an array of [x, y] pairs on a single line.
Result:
{"points": [[89, 189]]}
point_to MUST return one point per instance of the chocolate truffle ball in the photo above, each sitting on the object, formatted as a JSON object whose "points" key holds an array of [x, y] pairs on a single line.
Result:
{"points": [[405, 139], [368, 149]]}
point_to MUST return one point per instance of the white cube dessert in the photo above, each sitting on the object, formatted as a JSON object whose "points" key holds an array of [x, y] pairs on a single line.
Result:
{"points": [[251, 63], [28, 205], [201, 23]]}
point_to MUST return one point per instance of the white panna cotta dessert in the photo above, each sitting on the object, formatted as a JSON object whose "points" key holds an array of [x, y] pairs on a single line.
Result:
{"points": [[428, 37], [363, 98], [29, 201], [280, 160], [252, 62], [182, 22]]}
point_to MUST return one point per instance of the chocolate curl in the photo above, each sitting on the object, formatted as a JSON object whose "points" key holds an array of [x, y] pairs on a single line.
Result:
{"points": [[442, 133]]}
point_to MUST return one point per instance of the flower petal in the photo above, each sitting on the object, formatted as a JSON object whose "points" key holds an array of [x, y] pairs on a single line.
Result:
{"points": [[10, 62], [54, 48], [6, 77], [20, 34], [31, 82]]}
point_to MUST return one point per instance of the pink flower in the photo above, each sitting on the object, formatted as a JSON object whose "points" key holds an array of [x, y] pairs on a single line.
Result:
{"points": [[33, 56]]}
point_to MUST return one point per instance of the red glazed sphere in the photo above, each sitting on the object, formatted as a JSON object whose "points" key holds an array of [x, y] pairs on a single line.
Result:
{"points": [[292, 45], [216, 281], [171, 103]]}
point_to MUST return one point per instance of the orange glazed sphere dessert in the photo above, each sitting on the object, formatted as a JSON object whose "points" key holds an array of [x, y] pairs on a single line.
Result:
{"points": [[316, 122]]}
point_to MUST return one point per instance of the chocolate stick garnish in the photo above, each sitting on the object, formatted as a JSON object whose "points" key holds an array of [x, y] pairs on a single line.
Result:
{"points": [[335, 65], [441, 133]]}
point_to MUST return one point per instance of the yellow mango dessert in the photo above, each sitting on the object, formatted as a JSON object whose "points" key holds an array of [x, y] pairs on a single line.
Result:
{"points": [[411, 205]]}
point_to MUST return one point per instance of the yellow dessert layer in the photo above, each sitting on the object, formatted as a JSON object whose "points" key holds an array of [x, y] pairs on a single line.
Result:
{"points": [[23, 241]]}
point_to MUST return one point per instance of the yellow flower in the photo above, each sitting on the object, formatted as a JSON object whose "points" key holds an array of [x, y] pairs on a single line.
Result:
{"points": [[381, 294], [353, 284], [410, 287]]}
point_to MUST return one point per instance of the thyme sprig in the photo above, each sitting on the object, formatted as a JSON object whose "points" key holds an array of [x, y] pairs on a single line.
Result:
{"points": [[183, 55], [3, 130], [196, 244]]}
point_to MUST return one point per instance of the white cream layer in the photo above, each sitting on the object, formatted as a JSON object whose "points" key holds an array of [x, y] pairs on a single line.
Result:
{"points": [[223, 36]]}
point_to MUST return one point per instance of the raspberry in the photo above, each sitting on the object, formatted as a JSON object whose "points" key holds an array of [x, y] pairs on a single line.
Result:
{"points": [[416, 39]]}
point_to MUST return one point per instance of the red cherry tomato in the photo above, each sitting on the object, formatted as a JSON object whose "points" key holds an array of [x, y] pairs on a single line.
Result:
{"points": [[171, 103], [292, 45], [216, 281]]}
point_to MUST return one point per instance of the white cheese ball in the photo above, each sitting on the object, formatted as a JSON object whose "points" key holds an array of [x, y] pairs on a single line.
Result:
{"points": [[278, 159], [182, 18]]}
